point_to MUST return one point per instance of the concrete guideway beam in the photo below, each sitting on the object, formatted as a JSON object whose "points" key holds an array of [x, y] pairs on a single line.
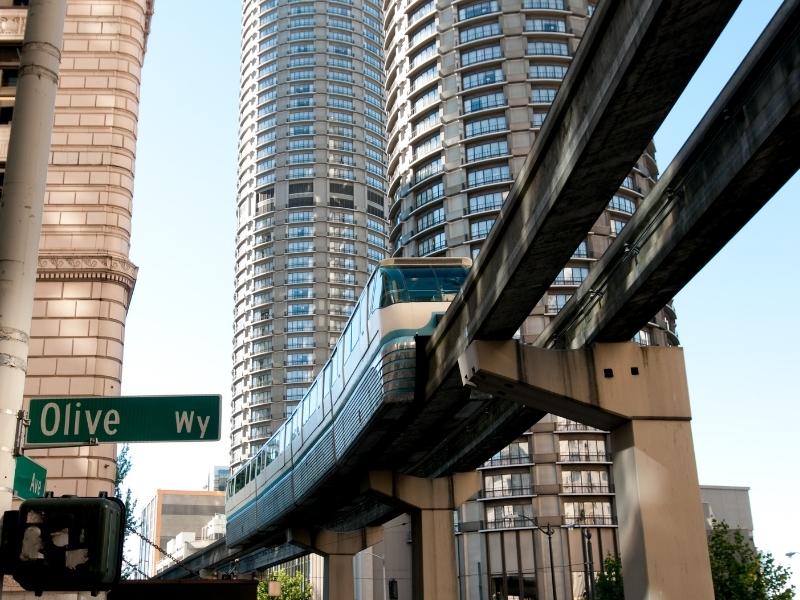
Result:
{"points": [[640, 394], [745, 148], [633, 62]]}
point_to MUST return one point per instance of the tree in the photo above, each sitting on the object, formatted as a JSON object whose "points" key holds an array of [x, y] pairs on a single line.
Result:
{"points": [[608, 584], [124, 466], [740, 572], [293, 587]]}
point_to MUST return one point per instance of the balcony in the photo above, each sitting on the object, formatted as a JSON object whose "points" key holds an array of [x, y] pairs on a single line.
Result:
{"points": [[586, 489], [585, 457], [525, 490], [504, 461]]}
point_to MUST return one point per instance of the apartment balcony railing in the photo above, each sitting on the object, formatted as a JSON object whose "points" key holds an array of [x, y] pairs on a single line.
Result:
{"points": [[525, 490], [585, 457], [586, 489]]}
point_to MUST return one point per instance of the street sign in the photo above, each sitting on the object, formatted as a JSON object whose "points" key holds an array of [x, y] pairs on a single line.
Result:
{"points": [[124, 419], [29, 478]]}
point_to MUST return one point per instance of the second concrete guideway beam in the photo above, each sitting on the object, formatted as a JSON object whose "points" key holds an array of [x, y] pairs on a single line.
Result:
{"points": [[640, 394]]}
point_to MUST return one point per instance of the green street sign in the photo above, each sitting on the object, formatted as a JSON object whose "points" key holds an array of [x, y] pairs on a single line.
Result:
{"points": [[29, 478], [124, 419]]}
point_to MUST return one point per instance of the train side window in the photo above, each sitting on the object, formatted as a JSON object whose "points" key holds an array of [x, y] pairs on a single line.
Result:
{"points": [[336, 361], [326, 378], [316, 397], [295, 424], [356, 325], [306, 407], [375, 293]]}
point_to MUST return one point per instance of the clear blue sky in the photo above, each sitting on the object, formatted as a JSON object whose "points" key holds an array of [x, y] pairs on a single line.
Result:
{"points": [[738, 319]]}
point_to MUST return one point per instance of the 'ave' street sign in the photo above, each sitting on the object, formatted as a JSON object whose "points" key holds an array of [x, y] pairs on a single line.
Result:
{"points": [[29, 478], [124, 419]]}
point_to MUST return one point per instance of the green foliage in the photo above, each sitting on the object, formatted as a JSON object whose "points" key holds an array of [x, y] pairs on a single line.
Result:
{"points": [[293, 587], [608, 585], [124, 466], [740, 572]]}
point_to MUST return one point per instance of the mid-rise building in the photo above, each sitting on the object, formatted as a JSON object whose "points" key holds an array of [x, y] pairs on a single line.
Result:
{"points": [[311, 196], [178, 520]]}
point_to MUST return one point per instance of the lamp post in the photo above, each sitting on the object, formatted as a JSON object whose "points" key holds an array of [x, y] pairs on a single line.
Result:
{"points": [[548, 531], [588, 562]]}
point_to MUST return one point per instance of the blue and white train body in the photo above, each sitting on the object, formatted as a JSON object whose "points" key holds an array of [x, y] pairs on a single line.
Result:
{"points": [[370, 375]]}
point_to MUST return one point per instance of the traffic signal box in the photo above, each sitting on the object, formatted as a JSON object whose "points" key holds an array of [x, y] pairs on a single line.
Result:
{"points": [[65, 544]]}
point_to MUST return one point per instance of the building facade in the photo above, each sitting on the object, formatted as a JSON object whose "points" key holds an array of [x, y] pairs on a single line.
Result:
{"points": [[170, 513], [84, 279], [311, 197]]}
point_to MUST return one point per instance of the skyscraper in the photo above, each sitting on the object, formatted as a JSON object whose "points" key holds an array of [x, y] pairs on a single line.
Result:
{"points": [[469, 85], [311, 197]]}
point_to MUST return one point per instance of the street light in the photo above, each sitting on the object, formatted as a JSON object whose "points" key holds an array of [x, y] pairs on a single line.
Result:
{"points": [[548, 531], [588, 561], [791, 554]]}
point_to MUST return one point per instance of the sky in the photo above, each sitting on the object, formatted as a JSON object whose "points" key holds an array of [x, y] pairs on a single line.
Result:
{"points": [[737, 319]]}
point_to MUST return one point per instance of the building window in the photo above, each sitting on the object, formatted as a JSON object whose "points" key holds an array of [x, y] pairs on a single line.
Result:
{"points": [[543, 95], [547, 25], [485, 101], [487, 125], [487, 150], [548, 49], [555, 302], [432, 244], [478, 230], [428, 194], [588, 513], [481, 78], [430, 218], [477, 9], [488, 201], [583, 451], [429, 169], [488, 175], [547, 71], [616, 226], [622, 204], [481, 31], [471, 57], [571, 276]]}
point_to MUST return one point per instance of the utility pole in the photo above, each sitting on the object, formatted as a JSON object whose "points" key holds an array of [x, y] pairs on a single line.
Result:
{"points": [[21, 207]]}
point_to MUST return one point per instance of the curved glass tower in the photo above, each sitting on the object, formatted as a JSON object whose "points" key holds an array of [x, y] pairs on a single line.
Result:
{"points": [[310, 202]]}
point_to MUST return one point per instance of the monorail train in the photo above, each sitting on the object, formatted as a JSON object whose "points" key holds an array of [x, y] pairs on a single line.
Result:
{"points": [[370, 374]]}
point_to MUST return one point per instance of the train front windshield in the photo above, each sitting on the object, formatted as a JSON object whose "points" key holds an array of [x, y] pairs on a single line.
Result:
{"points": [[420, 284]]}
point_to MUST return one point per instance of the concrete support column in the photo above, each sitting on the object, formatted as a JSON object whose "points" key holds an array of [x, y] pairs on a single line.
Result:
{"points": [[339, 580], [640, 394], [338, 549], [658, 503], [430, 503], [434, 551]]}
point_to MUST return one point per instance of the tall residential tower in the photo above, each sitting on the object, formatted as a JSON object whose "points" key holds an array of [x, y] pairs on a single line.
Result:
{"points": [[311, 193], [469, 84]]}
